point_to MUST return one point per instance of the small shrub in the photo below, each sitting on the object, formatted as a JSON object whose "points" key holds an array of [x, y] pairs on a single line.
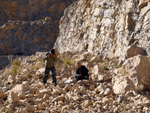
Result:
{"points": [[14, 70], [118, 66], [36, 67], [16, 62], [29, 75], [105, 68], [68, 61]]}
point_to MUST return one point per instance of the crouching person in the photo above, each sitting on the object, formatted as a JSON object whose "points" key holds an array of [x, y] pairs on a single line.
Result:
{"points": [[50, 59], [81, 72]]}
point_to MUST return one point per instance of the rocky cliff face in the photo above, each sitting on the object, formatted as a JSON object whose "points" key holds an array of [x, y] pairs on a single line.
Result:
{"points": [[27, 26], [27, 37], [26, 10], [105, 27]]}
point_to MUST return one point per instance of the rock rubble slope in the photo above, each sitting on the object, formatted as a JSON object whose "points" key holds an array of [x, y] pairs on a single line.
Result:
{"points": [[22, 90]]}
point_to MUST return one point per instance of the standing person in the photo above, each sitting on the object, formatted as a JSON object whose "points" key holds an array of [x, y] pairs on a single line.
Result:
{"points": [[50, 59], [81, 72]]}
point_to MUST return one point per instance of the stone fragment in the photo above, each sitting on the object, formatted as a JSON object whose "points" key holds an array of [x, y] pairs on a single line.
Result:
{"points": [[87, 103], [95, 70], [59, 98], [67, 88], [1, 93], [57, 92], [40, 72], [133, 50], [11, 79], [13, 98]]}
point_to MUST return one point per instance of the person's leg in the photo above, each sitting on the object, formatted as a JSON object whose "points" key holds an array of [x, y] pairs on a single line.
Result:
{"points": [[54, 75], [45, 77], [86, 77], [79, 78]]}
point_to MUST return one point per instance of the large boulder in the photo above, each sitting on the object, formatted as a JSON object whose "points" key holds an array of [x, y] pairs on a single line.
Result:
{"points": [[134, 50], [122, 84], [20, 90], [137, 69]]}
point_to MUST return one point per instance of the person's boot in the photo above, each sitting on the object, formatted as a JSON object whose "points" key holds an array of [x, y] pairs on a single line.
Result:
{"points": [[55, 84]]}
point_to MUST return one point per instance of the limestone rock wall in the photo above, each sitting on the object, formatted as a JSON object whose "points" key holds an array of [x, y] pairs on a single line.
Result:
{"points": [[105, 27], [32, 9], [27, 26], [27, 37]]}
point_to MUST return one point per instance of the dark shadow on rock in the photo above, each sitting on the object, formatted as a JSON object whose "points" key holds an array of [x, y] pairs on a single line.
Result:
{"points": [[4, 61]]}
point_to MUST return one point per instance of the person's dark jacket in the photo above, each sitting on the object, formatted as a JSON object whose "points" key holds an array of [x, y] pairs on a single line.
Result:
{"points": [[83, 71]]}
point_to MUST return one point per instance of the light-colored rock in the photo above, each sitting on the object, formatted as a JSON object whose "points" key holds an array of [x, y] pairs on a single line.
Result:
{"points": [[21, 78], [85, 97], [95, 70], [20, 90], [67, 88], [92, 87], [100, 77], [67, 107], [29, 108], [11, 79], [99, 89], [40, 94], [87, 103], [13, 98], [40, 72], [57, 91], [106, 100], [107, 91], [59, 98], [41, 107], [76, 98], [3, 109], [122, 84], [137, 69], [34, 90], [46, 97]]}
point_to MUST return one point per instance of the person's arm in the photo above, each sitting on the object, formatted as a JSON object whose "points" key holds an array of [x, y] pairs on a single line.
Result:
{"points": [[77, 71], [46, 56], [55, 57], [85, 71]]}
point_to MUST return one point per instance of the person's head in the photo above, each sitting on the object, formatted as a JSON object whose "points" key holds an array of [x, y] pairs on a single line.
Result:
{"points": [[79, 64], [52, 51]]}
